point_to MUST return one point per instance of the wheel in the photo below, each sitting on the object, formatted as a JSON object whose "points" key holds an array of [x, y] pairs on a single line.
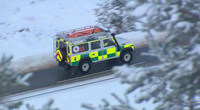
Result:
{"points": [[126, 57], [84, 66]]}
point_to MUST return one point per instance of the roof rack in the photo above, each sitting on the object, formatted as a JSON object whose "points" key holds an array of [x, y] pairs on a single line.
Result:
{"points": [[82, 33]]}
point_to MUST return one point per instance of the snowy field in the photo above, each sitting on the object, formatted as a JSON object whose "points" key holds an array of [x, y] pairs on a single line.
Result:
{"points": [[26, 31], [27, 28]]}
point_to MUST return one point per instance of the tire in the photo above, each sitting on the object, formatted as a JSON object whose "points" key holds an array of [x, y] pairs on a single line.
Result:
{"points": [[126, 57], [84, 66]]}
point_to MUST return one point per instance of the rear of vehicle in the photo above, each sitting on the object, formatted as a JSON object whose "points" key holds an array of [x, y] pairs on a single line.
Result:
{"points": [[67, 49], [62, 52]]}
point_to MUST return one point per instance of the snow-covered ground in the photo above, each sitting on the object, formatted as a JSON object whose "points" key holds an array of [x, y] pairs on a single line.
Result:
{"points": [[72, 99], [27, 28], [26, 31]]}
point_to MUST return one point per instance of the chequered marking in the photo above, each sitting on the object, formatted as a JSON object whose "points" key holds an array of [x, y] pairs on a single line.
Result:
{"points": [[111, 50], [84, 55], [75, 58], [118, 53], [111, 55], [99, 55], [104, 56]]}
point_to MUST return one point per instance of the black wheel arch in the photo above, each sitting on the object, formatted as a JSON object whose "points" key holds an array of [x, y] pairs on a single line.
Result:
{"points": [[123, 53], [82, 61], [126, 49], [85, 58]]}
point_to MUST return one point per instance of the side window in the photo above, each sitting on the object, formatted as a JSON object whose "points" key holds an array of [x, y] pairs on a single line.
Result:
{"points": [[95, 45], [108, 42], [80, 48]]}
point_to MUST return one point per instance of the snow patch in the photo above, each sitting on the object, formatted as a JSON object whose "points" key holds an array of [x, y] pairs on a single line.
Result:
{"points": [[196, 49]]}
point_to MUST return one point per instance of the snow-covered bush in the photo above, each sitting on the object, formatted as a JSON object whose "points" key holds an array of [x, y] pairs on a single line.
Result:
{"points": [[9, 79], [47, 106], [174, 83], [114, 15], [122, 105]]}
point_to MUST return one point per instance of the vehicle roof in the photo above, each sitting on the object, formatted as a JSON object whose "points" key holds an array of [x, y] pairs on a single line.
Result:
{"points": [[83, 34]]}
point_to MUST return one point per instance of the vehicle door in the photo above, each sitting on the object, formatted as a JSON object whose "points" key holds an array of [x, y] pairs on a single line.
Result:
{"points": [[109, 48], [96, 50]]}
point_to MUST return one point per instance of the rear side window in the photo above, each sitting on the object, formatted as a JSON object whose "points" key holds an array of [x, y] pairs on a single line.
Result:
{"points": [[80, 48], [95, 45]]}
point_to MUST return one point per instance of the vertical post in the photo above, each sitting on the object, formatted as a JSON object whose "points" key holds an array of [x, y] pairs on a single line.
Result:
{"points": [[116, 43]]}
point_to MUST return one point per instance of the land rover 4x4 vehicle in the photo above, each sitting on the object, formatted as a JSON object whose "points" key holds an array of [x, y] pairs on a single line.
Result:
{"points": [[83, 46]]}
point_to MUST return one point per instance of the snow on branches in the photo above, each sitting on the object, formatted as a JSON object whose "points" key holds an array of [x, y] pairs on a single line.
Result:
{"points": [[122, 105], [114, 16], [46, 106], [174, 83], [9, 79]]}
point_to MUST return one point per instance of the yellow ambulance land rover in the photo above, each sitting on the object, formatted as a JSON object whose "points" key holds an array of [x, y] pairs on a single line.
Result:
{"points": [[83, 46]]}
